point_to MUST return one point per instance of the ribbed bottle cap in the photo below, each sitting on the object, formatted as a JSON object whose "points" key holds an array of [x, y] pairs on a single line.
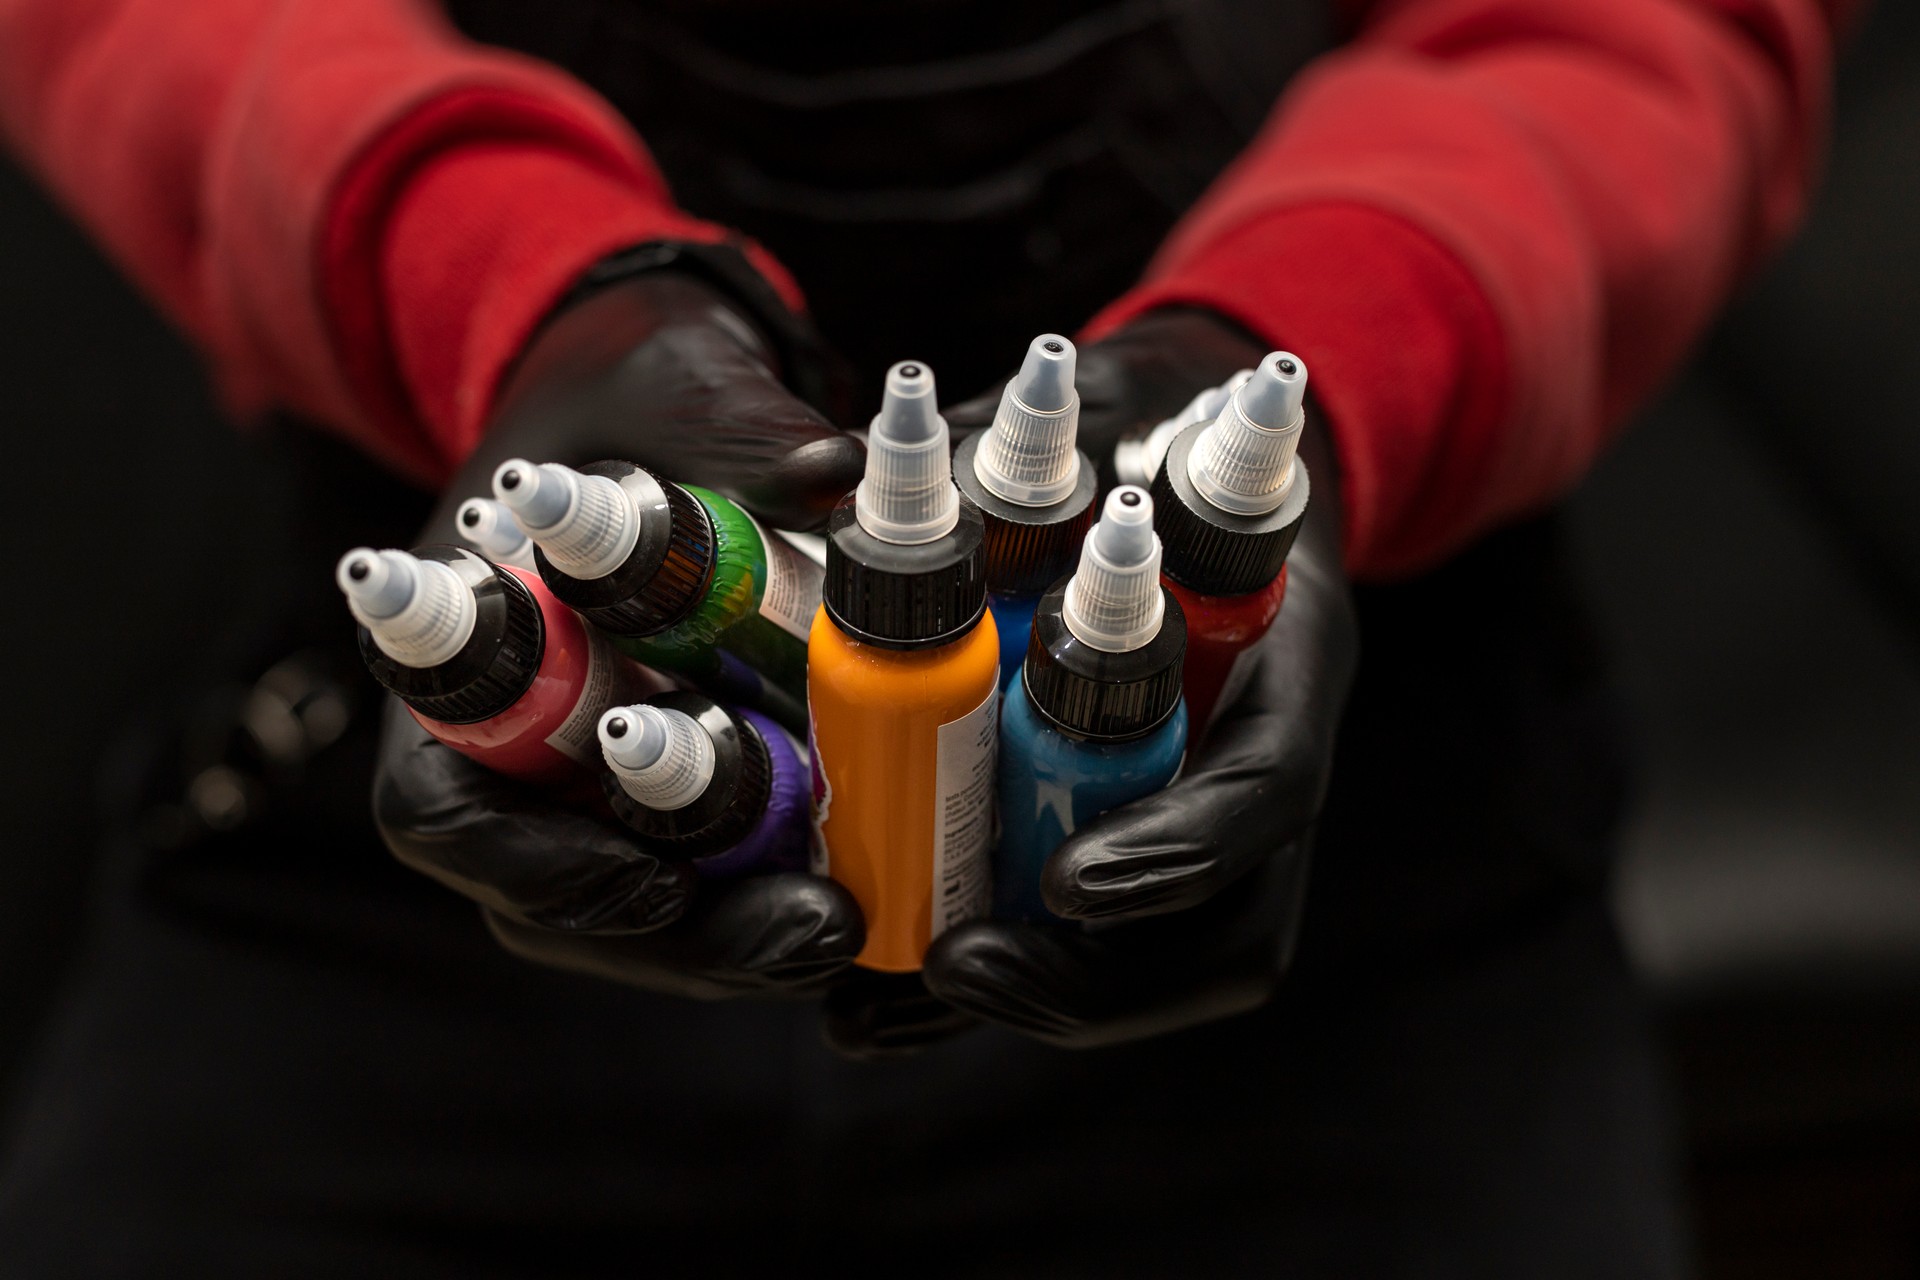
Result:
{"points": [[907, 496], [667, 569], [584, 524], [662, 757], [1091, 693], [1215, 552], [491, 527], [1027, 548], [706, 766], [1243, 464], [905, 597], [483, 675], [419, 612], [1028, 455], [1114, 601]]}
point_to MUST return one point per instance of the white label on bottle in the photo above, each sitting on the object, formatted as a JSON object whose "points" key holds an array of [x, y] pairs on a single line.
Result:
{"points": [[810, 545], [1238, 676], [612, 680], [963, 815], [794, 583]]}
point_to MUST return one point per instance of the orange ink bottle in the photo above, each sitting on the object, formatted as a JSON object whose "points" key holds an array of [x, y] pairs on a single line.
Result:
{"points": [[903, 667]]}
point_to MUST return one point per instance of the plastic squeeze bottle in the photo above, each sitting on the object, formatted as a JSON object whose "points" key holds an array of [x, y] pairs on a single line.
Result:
{"points": [[486, 659], [1034, 489], [684, 580], [1228, 501], [1096, 719], [903, 689], [494, 533], [698, 781]]}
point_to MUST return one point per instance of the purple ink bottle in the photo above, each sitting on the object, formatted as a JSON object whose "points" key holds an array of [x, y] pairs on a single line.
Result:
{"points": [[721, 787]]}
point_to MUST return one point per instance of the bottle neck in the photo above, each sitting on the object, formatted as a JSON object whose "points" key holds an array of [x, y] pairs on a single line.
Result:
{"points": [[667, 573], [1027, 548], [1214, 552], [496, 665], [905, 597], [1098, 696]]}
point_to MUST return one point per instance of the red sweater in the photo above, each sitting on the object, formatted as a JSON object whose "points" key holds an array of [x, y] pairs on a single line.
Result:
{"points": [[1490, 226]]}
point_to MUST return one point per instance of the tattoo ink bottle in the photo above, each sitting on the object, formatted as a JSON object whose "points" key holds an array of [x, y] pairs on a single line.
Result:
{"points": [[697, 781], [494, 533], [684, 580], [1033, 487], [486, 659], [1096, 719], [1228, 501], [903, 689]]}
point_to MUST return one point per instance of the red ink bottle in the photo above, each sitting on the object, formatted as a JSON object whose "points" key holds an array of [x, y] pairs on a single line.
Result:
{"points": [[487, 660], [1228, 500]]}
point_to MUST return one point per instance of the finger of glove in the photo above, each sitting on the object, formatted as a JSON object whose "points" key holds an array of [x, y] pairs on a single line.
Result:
{"points": [[511, 848], [1257, 780], [1079, 988], [874, 1017], [779, 935], [691, 404], [1147, 372]]}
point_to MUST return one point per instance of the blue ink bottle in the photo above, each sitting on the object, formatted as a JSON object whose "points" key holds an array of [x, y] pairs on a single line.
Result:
{"points": [[1096, 719], [1034, 488]]}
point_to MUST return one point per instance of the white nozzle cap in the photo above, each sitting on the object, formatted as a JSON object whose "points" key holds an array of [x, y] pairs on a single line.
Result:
{"points": [[420, 612], [1113, 601], [908, 496], [1243, 463], [662, 757], [1138, 461], [586, 524], [490, 527], [1028, 455]]}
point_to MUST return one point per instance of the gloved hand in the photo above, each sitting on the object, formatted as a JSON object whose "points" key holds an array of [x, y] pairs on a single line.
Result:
{"points": [[663, 368], [1192, 897]]}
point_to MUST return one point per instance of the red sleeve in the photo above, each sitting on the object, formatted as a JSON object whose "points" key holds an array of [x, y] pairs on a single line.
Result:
{"points": [[358, 214], [1492, 226]]}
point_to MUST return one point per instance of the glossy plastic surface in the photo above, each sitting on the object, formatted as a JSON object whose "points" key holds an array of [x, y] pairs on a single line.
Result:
{"points": [[1051, 784], [876, 715], [778, 842], [1013, 615], [1219, 630], [516, 742], [726, 645]]}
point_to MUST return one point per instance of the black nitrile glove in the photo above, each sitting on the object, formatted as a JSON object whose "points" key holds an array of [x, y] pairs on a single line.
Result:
{"points": [[1192, 897], [662, 368]]}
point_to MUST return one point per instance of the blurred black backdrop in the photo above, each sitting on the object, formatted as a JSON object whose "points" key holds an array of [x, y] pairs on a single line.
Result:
{"points": [[1751, 549]]}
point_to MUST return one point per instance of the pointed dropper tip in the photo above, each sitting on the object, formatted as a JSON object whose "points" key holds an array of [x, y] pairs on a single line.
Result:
{"points": [[536, 495], [907, 496], [1113, 601], [908, 413], [633, 737], [373, 583], [1045, 381], [1271, 398], [1124, 535]]}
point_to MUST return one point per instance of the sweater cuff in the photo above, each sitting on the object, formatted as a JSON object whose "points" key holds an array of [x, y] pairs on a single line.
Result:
{"points": [[452, 240], [1405, 353]]}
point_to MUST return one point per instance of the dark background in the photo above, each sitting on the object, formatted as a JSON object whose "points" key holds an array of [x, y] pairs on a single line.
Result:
{"points": [[1751, 547]]}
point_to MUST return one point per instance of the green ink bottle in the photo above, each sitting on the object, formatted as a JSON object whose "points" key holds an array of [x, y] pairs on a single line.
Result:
{"points": [[683, 579]]}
